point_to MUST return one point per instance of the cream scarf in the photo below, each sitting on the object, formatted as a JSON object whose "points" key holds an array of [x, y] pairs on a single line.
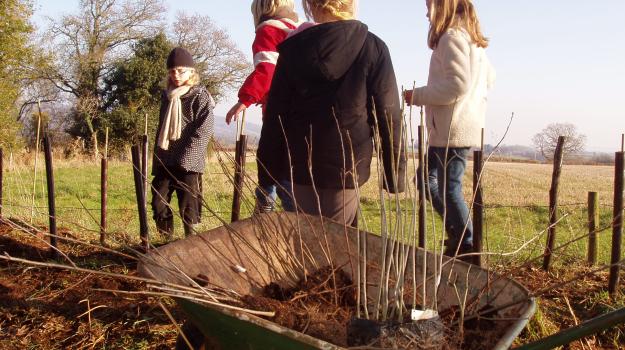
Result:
{"points": [[172, 125]]}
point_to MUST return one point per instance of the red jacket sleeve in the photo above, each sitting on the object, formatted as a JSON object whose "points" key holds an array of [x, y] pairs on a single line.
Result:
{"points": [[256, 86]]}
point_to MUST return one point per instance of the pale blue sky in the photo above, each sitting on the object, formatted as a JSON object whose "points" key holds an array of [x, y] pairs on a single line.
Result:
{"points": [[556, 60]]}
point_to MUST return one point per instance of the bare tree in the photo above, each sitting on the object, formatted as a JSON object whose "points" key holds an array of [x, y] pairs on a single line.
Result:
{"points": [[86, 45], [547, 140], [221, 64]]}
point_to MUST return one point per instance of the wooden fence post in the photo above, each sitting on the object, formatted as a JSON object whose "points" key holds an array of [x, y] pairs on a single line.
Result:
{"points": [[144, 165], [421, 181], [239, 169], [143, 216], [47, 149], [239, 172], [553, 202], [104, 191], [617, 228], [593, 220], [37, 140], [478, 207], [103, 199], [1, 178]]}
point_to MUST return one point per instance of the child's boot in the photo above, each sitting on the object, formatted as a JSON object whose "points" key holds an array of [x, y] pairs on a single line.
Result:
{"points": [[189, 229]]}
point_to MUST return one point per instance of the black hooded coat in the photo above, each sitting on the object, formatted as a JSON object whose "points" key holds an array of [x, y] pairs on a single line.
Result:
{"points": [[334, 85]]}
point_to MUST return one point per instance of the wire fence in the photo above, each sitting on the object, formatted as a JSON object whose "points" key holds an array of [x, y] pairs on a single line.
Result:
{"points": [[506, 225]]}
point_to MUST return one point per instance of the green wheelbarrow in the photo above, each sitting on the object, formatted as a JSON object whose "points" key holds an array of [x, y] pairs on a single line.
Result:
{"points": [[244, 257]]}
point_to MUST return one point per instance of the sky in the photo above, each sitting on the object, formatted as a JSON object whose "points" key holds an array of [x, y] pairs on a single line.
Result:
{"points": [[557, 60]]}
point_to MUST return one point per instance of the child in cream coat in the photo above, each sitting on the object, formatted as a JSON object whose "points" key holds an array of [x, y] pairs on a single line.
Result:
{"points": [[455, 99]]}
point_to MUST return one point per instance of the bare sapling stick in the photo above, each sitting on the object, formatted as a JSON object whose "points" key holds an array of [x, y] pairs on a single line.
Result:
{"points": [[482, 141], [242, 131], [51, 203], [359, 280], [388, 229], [422, 203], [32, 206], [439, 267], [593, 220], [383, 225], [415, 205], [553, 201], [617, 228], [412, 237], [399, 224], [354, 222], [361, 240], [408, 231]]}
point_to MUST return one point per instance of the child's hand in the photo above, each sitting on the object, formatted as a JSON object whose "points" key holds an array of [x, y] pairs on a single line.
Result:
{"points": [[408, 97], [234, 112]]}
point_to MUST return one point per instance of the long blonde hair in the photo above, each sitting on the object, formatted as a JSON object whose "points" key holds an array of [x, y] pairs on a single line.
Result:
{"points": [[446, 14], [269, 8], [337, 9]]}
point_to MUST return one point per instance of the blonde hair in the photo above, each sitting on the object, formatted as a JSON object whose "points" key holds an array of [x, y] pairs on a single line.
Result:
{"points": [[193, 80], [269, 8], [446, 14], [337, 9]]}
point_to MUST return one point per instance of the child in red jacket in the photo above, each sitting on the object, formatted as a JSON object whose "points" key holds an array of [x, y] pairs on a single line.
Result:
{"points": [[274, 20]]}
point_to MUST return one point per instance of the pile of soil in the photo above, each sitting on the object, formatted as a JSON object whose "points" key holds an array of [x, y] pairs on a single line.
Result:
{"points": [[320, 305], [323, 306], [48, 308]]}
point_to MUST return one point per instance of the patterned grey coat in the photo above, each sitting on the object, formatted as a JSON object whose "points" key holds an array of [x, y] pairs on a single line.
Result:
{"points": [[189, 152]]}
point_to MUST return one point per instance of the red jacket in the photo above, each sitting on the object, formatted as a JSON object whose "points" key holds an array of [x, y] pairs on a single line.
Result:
{"points": [[269, 34]]}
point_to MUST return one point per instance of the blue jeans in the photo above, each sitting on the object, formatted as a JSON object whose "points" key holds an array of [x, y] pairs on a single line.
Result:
{"points": [[449, 184], [266, 195]]}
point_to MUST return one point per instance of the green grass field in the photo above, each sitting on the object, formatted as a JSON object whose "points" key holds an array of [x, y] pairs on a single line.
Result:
{"points": [[516, 196]]}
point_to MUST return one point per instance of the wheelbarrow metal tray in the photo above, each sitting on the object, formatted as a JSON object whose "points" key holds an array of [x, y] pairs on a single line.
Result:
{"points": [[247, 255]]}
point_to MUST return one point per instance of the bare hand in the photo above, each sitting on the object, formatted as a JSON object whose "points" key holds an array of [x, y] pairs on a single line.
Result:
{"points": [[234, 112], [408, 97]]}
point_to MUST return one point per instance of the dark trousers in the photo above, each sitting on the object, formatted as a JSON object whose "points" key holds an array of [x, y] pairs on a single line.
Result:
{"points": [[340, 205], [187, 186]]}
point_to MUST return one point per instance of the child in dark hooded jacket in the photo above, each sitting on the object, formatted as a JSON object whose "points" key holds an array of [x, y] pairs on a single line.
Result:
{"points": [[334, 92]]}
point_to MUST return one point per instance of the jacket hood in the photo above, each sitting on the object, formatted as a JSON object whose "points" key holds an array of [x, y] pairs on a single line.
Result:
{"points": [[326, 51]]}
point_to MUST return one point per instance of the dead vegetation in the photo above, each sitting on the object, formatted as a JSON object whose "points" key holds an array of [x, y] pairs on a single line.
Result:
{"points": [[45, 308]]}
